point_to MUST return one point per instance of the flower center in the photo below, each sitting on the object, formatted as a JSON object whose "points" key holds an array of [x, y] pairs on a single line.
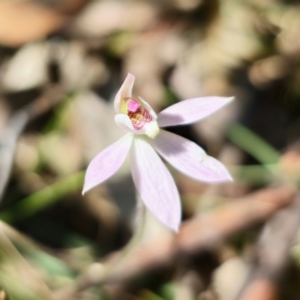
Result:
{"points": [[137, 114]]}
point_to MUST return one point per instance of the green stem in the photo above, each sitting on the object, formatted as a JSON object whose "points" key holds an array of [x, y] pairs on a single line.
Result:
{"points": [[137, 234], [92, 277], [43, 198]]}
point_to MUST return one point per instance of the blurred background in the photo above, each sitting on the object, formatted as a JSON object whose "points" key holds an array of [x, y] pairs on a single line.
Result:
{"points": [[61, 64]]}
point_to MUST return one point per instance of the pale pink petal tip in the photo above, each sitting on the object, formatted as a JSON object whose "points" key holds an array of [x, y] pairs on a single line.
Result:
{"points": [[191, 110], [190, 159], [124, 92], [215, 171], [107, 162], [155, 184]]}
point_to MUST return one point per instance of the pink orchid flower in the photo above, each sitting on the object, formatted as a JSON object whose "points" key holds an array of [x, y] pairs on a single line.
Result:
{"points": [[145, 138]]}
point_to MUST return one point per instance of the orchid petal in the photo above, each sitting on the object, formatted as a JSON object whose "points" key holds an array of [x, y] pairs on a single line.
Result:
{"points": [[124, 122], [148, 107], [124, 92], [191, 110], [189, 158], [107, 162], [155, 183]]}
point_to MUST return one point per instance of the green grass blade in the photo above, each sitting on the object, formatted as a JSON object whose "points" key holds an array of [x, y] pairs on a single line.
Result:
{"points": [[254, 145], [43, 198]]}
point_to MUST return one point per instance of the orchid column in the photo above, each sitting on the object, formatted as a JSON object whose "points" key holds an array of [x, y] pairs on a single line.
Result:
{"points": [[145, 138]]}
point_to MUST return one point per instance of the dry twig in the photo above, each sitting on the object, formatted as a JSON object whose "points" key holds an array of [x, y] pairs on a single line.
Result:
{"points": [[273, 254], [196, 235]]}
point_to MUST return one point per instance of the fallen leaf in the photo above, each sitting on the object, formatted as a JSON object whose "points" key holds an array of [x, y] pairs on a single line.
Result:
{"points": [[25, 21]]}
